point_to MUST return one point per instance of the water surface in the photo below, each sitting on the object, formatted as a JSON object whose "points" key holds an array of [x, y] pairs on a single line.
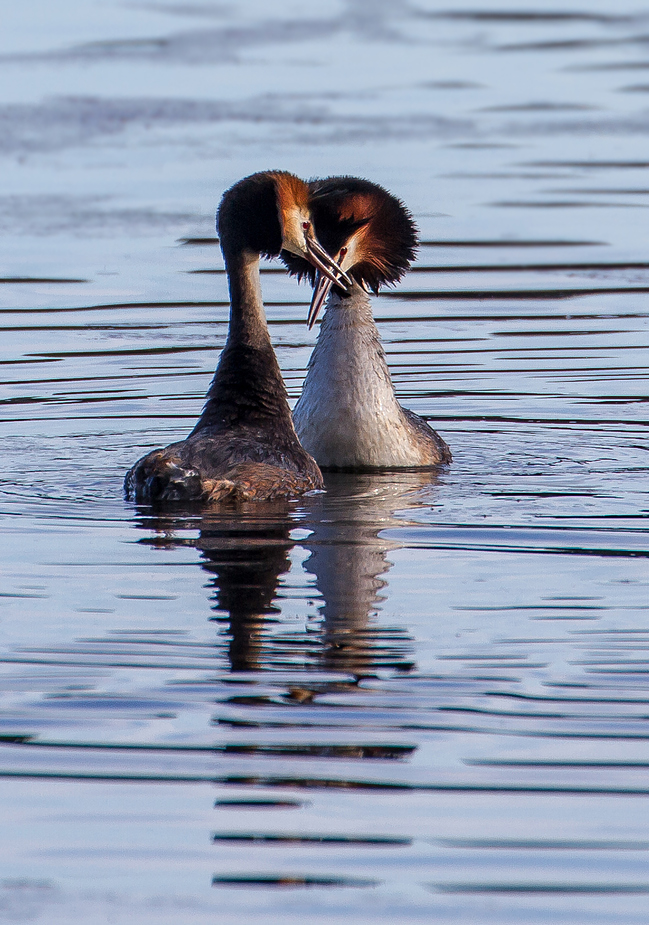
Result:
{"points": [[411, 698]]}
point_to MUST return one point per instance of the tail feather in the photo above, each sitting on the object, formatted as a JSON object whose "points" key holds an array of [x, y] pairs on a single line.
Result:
{"points": [[260, 482]]}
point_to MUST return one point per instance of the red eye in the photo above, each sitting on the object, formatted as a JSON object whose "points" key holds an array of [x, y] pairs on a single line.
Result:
{"points": [[306, 225]]}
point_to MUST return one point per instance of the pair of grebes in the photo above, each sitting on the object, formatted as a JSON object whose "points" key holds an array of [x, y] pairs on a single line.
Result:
{"points": [[246, 445]]}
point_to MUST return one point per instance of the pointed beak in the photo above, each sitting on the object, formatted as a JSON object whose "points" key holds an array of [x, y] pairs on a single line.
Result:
{"points": [[322, 287], [325, 264], [320, 293]]}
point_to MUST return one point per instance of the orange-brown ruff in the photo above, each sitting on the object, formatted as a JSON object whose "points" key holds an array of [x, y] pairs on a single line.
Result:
{"points": [[244, 446], [348, 415]]}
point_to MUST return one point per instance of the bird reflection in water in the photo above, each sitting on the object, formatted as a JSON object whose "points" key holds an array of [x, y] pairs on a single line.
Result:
{"points": [[349, 559], [247, 551]]}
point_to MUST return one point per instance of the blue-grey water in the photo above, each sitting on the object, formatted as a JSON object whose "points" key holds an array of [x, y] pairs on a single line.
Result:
{"points": [[410, 699]]}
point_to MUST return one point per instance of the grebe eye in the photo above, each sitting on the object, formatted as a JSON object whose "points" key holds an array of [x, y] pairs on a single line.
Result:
{"points": [[306, 225]]}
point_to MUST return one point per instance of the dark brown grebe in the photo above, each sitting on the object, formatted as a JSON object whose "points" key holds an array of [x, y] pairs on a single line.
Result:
{"points": [[348, 416], [244, 446]]}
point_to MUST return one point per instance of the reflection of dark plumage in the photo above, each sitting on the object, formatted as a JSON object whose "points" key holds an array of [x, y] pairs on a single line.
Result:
{"points": [[246, 555], [348, 416], [246, 551], [244, 446]]}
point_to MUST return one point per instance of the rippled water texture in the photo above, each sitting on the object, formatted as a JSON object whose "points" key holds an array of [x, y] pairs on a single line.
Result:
{"points": [[405, 700]]}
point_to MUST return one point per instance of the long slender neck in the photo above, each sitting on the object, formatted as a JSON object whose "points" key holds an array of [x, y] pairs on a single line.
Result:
{"points": [[247, 388], [348, 373], [351, 340], [247, 318], [353, 311]]}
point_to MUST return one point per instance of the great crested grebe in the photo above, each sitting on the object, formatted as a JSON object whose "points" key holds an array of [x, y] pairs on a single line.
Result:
{"points": [[348, 416], [244, 446]]}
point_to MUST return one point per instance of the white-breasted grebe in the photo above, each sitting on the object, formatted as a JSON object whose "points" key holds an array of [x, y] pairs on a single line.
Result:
{"points": [[244, 446], [348, 415]]}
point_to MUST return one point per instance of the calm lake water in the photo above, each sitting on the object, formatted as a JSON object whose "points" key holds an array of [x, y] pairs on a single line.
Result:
{"points": [[409, 699]]}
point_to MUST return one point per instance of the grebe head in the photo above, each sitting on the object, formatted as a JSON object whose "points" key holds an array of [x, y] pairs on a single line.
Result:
{"points": [[269, 214], [368, 231]]}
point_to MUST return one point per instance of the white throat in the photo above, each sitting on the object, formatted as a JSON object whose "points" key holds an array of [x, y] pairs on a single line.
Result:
{"points": [[348, 415]]}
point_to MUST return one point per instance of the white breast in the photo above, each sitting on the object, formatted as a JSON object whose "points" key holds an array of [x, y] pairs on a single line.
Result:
{"points": [[348, 414]]}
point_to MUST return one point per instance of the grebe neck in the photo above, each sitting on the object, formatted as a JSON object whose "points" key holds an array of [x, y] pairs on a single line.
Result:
{"points": [[247, 317], [247, 388], [351, 342]]}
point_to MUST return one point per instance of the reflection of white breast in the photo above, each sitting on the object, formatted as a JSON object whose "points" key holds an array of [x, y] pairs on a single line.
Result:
{"points": [[348, 414]]}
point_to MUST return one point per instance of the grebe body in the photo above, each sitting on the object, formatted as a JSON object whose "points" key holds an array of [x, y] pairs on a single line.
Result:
{"points": [[244, 446], [348, 415]]}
